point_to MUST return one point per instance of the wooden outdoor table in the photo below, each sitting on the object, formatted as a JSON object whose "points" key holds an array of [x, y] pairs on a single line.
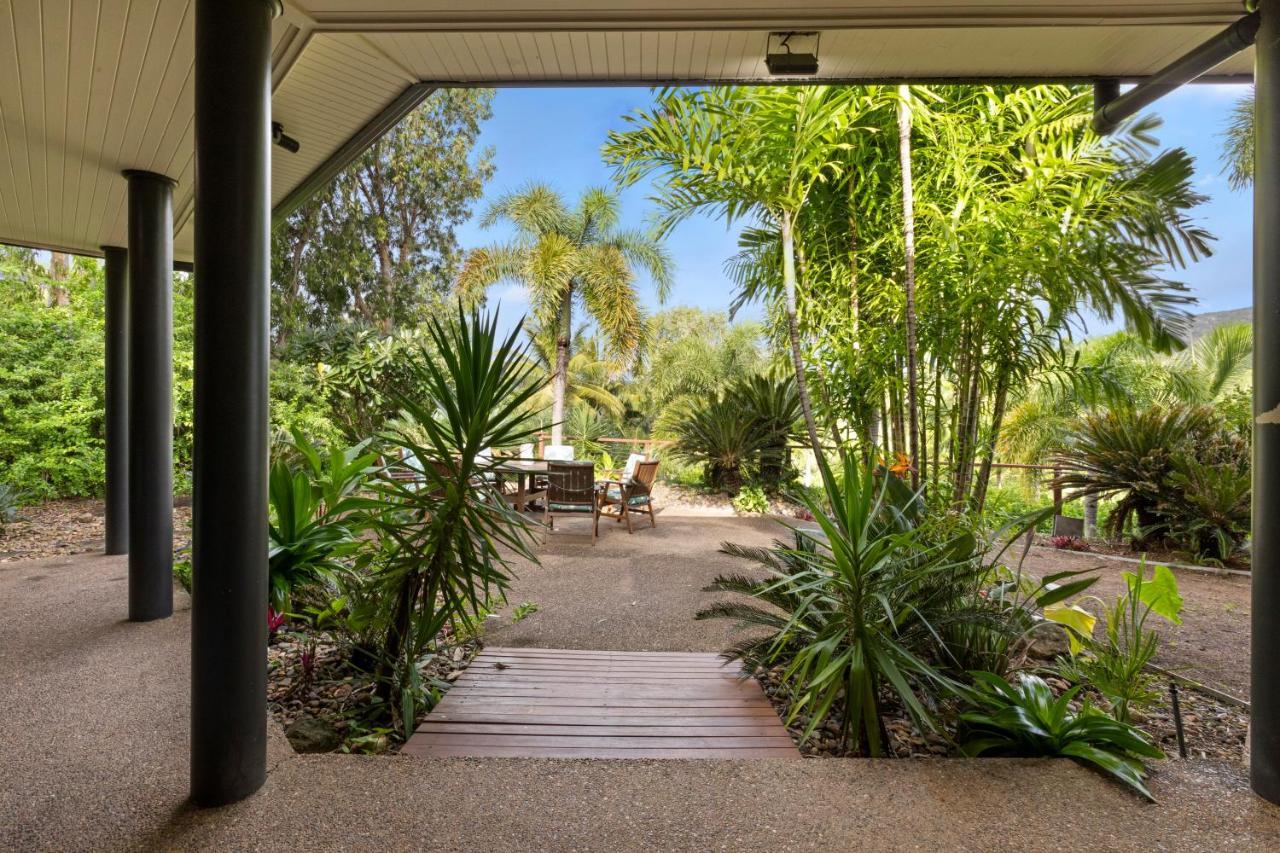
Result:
{"points": [[524, 471]]}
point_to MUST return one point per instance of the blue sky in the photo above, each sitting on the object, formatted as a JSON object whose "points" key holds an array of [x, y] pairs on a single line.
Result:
{"points": [[554, 136]]}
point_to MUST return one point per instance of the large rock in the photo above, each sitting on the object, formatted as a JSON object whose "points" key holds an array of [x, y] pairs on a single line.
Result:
{"points": [[1047, 641], [310, 734]]}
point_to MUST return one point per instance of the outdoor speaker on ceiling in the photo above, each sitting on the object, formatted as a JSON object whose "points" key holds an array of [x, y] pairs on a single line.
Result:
{"points": [[792, 53]]}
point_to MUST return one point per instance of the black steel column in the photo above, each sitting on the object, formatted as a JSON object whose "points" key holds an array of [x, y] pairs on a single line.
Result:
{"points": [[150, 389], [232, 313], [1264, 751], [117, 398]]}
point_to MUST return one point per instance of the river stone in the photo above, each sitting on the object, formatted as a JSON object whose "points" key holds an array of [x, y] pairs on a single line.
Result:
{"points": [[310, 734]]}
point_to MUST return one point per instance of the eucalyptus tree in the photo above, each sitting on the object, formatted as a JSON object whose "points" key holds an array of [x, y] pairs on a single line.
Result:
{"points": [[571, 257], [378, 245], [752, 152]]}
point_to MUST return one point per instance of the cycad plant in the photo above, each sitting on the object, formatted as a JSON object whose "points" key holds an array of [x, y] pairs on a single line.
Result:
{"points": [[1130, 453], [854, 612], [718, 435], [570, 258]]}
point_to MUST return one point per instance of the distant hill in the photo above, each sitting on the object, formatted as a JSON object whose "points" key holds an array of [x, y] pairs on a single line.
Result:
{"points": [[1202, 324]]}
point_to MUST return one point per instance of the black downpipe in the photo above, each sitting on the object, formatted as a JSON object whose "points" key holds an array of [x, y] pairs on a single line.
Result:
{"points": [[117, 398], [150, 395], [229, 515], [1197, 63], [1264, 751]]}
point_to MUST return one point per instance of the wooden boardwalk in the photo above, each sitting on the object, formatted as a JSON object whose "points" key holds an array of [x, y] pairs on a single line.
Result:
{"points": [[559, 703]]}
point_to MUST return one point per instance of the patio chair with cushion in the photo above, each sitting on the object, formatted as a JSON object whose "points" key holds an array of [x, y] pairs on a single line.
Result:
{"points": [[571, 490], [634, 494]]}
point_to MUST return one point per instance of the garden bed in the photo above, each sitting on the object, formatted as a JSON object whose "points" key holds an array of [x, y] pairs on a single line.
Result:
{"points": [[72, 526], [1213, 729]]}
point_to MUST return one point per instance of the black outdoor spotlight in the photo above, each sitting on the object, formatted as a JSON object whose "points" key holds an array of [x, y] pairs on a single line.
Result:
{"points": [[288, 143], [792, 53]]}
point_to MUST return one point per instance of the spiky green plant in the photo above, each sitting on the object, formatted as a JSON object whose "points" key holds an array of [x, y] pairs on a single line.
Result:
{"points": [[856, 610], [447, 540]]}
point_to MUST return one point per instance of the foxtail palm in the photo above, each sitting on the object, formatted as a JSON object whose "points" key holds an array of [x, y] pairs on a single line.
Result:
{"points": [[745, 152], [567, 257]]}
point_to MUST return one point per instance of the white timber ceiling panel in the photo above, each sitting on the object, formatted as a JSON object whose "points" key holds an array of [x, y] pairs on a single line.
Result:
{"points": [[89, 88]]}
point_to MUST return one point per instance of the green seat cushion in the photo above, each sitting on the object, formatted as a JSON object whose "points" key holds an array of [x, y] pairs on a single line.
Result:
{"points": [[555, 507], [635, 500]]}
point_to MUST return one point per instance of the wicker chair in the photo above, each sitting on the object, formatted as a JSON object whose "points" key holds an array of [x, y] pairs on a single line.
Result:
{"points": [[571, 491], [633, 495]]}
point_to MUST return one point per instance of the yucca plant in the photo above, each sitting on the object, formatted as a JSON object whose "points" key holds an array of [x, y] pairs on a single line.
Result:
{"points": [[854, 611], [1025, 719], [447, 539]]}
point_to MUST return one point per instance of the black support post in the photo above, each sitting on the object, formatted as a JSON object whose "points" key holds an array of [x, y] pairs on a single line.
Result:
{"points": [[150, 394], [232, 313], [1264, 751], [117, 398]]}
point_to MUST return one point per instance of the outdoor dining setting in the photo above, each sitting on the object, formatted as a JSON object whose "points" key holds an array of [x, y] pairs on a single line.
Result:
{"points": [[558, 486]]}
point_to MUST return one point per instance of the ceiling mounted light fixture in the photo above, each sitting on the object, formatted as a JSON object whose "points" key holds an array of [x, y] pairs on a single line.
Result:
{"points": [[792, 53]]}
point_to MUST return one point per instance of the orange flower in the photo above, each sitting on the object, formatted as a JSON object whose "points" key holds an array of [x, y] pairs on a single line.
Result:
{"points": [[901, 466]]}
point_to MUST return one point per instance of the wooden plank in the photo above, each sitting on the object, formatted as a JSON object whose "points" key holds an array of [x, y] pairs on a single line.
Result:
{"points": [[593, 704], [507, 651], [621, 677], [726, 721], [759, 729], [620, 705], [604, 741], [474, 751]]}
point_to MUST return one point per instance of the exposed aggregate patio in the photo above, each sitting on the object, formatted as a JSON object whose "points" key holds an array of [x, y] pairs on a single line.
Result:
{"points": [[94, 733]]}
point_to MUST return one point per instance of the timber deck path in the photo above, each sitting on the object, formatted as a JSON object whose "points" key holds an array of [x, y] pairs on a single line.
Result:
{"points": [[561, 703]]}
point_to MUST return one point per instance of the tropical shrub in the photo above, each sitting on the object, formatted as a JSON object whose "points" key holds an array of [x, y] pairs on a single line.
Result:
{"points": [[1025, 719], [314, 504], [856, 613], [444, 543], [1116, 664], [1209, 509], [751, 499]]}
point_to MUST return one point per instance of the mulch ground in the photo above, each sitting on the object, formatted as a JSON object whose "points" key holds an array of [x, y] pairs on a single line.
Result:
{"points": [[73, 526]]}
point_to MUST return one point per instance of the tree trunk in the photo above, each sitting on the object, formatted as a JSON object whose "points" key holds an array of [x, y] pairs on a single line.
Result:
{"points": [[793, 332], [560, 376], [998, 405], [909, 278]]}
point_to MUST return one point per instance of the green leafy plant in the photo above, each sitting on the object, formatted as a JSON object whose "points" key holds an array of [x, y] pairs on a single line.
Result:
{"points": [[751, 499], [314, 514], [1025, 719], [523, 611], [1116, 664], [446, 540], [853, 612], [1208, 511], [182, 573]]}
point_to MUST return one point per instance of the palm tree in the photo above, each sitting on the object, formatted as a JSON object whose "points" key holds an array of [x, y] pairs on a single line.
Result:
{"points": [[754, 152], [1215, 364], [567, 257], [1238, 137], [590, 373]]}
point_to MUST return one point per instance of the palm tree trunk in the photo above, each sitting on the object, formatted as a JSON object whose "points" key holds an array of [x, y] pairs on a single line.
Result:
{"points": [[560, 376], [909, 278], [793, 332], [998, 406]]}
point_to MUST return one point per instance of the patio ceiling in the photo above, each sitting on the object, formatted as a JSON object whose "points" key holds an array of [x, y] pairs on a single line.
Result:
{"points": [[91, 87]]}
